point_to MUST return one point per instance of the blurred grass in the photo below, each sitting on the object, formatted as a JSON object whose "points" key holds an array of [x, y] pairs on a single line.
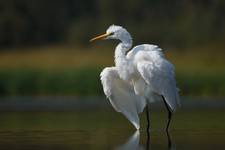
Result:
{"points": [[38, 82], [60, 70]]}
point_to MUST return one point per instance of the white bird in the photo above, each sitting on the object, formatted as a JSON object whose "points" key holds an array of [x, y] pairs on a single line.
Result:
{"points": [[140, 76]]}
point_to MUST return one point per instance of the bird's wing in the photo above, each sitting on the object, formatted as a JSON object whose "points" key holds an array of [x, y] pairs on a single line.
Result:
{"points": [[157, 72], [122, 95]]}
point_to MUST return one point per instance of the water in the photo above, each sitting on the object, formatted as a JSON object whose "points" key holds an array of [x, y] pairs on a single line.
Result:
{"points": [[191, 128]]}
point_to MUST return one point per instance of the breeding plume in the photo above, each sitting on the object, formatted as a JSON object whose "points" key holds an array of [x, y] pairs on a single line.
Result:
{"points": [[141, 75]]}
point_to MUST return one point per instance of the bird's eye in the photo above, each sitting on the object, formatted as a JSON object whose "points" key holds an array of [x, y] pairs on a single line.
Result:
{"points": [[112, 33]]}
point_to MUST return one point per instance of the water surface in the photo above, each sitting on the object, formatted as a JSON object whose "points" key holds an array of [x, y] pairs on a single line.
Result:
{"points": [[191, 128]]}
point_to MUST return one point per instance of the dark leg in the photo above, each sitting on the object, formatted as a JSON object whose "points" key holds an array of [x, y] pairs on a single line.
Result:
{"points": [[148, 141], [147, 114], [148, 128], [169, 140], [169, 114]]}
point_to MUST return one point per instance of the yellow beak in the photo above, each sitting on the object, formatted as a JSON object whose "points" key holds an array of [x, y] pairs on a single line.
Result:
{"points": [[100, 37]]}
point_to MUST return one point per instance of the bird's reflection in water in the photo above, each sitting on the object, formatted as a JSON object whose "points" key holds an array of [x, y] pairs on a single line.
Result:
{"points": [[134, 144], [170, 144]]}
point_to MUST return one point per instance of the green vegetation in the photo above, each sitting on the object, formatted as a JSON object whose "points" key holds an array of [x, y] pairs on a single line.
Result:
{"points": [[201, 84], [85, 81], [59, 70], [64, 82]]}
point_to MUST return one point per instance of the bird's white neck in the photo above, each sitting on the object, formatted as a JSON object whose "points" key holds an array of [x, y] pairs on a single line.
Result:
{"points": [[121, 50], [121, 62]]}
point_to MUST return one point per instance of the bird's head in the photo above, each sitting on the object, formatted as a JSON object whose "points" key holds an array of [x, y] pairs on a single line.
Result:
{"points": [[114, 32]]}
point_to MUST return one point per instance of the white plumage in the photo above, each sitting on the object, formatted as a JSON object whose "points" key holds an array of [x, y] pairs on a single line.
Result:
{"points": [[140, 76]]}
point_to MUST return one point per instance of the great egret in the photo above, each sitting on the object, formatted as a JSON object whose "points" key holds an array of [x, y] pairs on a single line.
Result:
{"points": [[140, 76]]}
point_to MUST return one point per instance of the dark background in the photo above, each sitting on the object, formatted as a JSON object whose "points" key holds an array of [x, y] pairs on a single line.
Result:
{"points": [[181, 23]]}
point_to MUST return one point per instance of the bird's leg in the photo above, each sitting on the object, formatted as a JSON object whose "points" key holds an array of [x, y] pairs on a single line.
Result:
{"points": [[169, 114], [148, 140], [169, 120], [148, 128], [147, 115], [169, 140]]}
